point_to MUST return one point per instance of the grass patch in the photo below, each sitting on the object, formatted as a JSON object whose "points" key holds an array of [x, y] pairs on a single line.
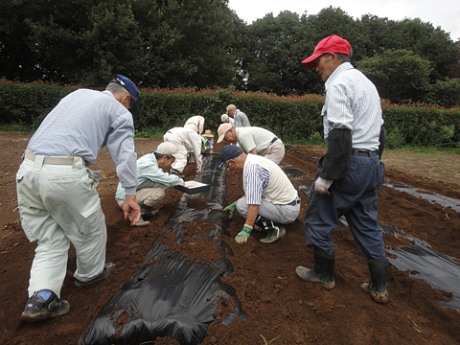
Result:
{"points": [[150, 133], [16, 127]]}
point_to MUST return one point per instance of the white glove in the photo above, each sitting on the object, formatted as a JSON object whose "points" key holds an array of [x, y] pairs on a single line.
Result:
{"points": [[322, 186]]}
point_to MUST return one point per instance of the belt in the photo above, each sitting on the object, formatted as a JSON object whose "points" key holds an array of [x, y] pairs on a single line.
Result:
{"points": [[367, 153], [293, 202], [51, 160], [273, 140]]}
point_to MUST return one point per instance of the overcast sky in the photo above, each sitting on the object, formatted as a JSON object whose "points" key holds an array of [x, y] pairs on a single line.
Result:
{"points": [[443, 13]]}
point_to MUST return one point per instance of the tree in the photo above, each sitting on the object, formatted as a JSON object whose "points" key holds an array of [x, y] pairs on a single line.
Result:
{"points": [[276, 45], [155, 42], [399, 75]]}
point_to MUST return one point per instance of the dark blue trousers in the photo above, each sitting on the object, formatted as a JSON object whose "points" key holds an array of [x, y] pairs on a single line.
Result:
{"points": [[355, 196]]}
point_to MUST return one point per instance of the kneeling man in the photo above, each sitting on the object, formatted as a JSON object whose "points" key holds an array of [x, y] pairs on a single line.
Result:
{"points": [[270, 198], [255, 140], [154, 180]]}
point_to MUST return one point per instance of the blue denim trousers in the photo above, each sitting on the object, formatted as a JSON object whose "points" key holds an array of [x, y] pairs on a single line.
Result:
{"points": [[355, 196]]}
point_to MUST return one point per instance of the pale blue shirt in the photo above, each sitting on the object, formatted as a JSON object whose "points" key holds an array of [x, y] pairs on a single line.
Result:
{"points": [[81, 124], [352, 101], [241, 120], [148, 174]]}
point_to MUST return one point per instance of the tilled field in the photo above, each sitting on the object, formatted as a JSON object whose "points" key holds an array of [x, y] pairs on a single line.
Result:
{"points": [[279, 305]]}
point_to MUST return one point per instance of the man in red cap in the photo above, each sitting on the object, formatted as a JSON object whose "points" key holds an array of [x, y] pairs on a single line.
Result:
{"points": [[350, 174]]}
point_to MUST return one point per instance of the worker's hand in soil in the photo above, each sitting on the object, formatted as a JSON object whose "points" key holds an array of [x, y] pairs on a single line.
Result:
{"points": [[322, 186], [131, 206], [230, 209], [243, 235]]}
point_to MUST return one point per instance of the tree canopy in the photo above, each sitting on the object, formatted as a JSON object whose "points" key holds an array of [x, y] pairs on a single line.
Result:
{"points": [[202, 43]]}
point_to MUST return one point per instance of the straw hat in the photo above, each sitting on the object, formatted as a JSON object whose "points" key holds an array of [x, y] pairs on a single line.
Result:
{"points": [[207, 133]]}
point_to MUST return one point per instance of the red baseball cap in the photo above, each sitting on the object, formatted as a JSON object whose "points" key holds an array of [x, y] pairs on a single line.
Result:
{"points": [[331, 44]]}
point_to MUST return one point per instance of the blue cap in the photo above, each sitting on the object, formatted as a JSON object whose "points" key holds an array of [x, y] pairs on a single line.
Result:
{"points": [[228, 152], [132, 89]]}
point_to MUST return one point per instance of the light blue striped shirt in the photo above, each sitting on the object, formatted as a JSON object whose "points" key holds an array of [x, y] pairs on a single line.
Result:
{"points": [[81, 124], [352, 101]]}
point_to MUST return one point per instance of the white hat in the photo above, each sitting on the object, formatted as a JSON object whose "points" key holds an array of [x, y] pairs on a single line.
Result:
{"points": [[223, 128], [169, 149]]}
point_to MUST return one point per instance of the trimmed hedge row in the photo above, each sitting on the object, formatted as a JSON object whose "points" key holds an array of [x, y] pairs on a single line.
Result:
{"points": [[294, 118]]}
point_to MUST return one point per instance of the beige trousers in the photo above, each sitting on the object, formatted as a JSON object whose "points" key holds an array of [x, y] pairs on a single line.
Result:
{"points": [[149, 196], [275, 152]]}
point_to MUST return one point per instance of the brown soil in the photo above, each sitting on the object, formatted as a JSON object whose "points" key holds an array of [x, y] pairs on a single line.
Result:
{"points": [[280, 306]]}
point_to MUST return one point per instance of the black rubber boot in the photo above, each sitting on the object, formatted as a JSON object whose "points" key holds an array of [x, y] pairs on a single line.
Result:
{"points": [[322, 271], [147, 211], [377, 282], [258, 226], [275, 231]]}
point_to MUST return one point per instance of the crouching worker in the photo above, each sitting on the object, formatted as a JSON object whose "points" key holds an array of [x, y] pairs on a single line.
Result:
{"points": [[154, 180], [270, 198]]}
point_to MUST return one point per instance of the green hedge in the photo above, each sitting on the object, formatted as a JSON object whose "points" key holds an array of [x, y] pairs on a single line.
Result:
{"points": [[293, 118], [422, 125], [289, 117], [28, 103]]}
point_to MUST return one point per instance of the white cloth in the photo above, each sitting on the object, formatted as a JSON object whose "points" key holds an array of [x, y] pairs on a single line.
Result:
{"points": [[195, 123], [186, 141], [51, 217]]}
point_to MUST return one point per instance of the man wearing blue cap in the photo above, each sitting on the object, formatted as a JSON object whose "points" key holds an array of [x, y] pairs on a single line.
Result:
{"points": [[270, 198], [57, 195]]}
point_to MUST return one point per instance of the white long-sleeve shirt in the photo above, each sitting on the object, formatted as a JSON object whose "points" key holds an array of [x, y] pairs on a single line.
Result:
{"points": [[352, 101], [190, 140], [195, 123]]}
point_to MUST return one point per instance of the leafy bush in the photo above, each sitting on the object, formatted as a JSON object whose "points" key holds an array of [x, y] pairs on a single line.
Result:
{"points": [[296, 119], [446, 93], [394, 139]]}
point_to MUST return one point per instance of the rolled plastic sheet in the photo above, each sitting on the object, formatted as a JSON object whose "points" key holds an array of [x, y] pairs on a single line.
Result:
{"points": [[170, 294]]}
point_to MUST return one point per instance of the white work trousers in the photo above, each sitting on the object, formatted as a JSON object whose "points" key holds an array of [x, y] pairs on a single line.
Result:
{"points": [[278, 213], [178, 164], [59, 204]]}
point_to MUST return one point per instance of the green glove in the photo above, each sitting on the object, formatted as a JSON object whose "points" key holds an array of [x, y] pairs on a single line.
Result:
{"points": [[230, 209], [243, 235]]}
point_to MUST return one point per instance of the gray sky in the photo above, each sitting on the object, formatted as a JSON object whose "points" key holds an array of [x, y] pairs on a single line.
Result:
{"points": [[443, 13]]}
